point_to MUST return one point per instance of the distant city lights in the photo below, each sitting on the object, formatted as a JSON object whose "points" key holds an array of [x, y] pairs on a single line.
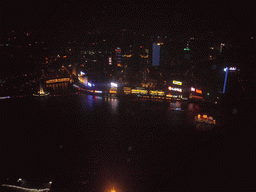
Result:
{"points": [[6, 97]]}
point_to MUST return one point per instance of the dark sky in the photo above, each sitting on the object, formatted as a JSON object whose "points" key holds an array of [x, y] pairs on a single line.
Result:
{"points": [[234, 19]]}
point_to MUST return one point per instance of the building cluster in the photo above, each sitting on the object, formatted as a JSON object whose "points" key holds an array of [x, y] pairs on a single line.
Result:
{"points": [[141, 59]]}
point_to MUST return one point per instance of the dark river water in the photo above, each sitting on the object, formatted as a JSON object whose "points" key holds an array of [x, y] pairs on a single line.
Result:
{"points": [[83, 142]]}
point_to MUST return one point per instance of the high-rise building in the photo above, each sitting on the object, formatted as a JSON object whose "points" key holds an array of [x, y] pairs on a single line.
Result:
{"points": [[156, 54], [118, 57]]}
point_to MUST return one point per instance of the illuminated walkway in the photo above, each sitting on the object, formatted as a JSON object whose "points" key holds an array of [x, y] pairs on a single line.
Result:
{"points": [[25, 189]]}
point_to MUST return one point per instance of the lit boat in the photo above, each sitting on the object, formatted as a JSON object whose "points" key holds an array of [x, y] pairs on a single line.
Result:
{"points": [[205, 119]]}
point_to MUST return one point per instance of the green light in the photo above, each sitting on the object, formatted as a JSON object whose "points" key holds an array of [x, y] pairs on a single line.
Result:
{"points": [[7, 45], [187, 49], [208, 93]]}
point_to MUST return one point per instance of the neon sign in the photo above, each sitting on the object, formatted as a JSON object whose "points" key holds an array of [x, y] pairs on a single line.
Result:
{"points": [[174, 89], [177, 82], [199, 91]]}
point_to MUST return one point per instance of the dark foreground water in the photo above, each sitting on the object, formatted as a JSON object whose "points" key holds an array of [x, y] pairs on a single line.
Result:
{"points": [[90, 143]]}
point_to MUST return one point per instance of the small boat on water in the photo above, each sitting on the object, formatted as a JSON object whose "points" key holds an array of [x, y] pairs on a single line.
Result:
{"points": [[205, 119]]}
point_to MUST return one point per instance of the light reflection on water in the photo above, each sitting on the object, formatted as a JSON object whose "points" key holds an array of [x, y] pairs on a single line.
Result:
{"points": [[134, 113], [113, 102], [110, 121]]}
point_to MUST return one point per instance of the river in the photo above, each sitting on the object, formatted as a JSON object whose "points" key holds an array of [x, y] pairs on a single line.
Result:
{"points": [[82, 142]]}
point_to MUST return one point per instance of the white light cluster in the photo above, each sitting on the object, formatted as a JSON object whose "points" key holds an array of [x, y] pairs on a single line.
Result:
{"points": [[82, 73], [113, 84], [230, 68]]}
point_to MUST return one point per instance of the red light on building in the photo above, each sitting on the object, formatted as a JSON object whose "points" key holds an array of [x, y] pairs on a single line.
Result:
{"points": [[141, 47]]}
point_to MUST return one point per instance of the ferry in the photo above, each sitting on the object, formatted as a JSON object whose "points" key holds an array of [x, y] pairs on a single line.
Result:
{"points": [[205, 119]]}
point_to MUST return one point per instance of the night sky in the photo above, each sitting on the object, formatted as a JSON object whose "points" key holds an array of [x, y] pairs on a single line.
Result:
{"points": [[179, 17]]}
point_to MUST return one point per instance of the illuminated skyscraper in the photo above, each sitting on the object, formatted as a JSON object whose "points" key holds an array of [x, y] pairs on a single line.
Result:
{"points": [[156, 54], [118, 56]]}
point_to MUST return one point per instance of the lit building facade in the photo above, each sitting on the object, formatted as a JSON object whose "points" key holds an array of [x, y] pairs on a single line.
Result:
{"points": [[175, 90], [195, 94]]}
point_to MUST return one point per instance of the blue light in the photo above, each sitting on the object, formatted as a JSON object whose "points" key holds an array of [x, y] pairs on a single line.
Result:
{"points": [[225, 82], [165, 36], [156, 55], [89, 84]]}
